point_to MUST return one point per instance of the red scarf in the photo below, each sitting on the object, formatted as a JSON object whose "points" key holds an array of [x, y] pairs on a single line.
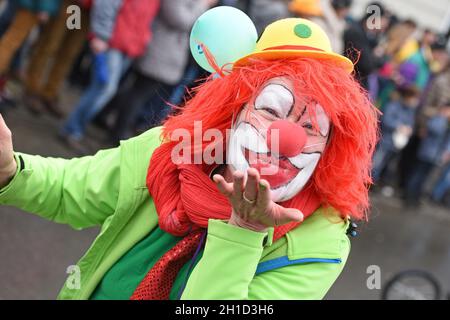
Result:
{"points": [[186, 198]]}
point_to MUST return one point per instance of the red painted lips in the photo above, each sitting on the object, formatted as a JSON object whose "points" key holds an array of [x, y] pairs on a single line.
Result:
{"points": [[277, 171]]}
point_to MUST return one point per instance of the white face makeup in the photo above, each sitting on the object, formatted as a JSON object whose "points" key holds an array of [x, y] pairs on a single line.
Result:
{"points": [[248, 146], [275, 99]]}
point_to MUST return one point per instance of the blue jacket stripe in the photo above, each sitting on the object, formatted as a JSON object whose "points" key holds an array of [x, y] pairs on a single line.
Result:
{"points": [[284, 261]]}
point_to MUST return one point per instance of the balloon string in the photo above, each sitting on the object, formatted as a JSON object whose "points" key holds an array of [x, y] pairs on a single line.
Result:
{"points": [[211, 60]]}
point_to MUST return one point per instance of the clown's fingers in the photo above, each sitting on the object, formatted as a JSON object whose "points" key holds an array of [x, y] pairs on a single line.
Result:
{"points": [[263, 200], [238, 185], [224, 187], [286, 215], [251, 187]]}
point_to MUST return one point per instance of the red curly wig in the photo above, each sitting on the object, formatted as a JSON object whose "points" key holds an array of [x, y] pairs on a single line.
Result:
{"points": [[342, 177]]}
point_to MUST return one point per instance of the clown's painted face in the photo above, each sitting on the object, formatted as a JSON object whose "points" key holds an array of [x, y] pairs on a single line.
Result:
{"points": [[276, 134]]}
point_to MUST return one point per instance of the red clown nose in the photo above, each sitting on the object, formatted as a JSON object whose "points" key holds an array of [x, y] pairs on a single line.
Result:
{"points": [[292, 138]]}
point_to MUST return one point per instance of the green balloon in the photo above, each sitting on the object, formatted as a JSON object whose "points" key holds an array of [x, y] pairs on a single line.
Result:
{"points": [[227, 33]]}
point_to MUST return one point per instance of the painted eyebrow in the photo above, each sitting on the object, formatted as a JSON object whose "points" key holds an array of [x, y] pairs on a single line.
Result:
{"points": [[301, 115]]}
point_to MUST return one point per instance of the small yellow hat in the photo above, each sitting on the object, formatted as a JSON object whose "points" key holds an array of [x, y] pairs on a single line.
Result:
{"points": [[291, 38], [306, 7]]}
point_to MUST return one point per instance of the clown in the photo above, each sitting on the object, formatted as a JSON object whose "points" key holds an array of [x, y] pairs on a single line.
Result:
{"points": [[270, 221]]}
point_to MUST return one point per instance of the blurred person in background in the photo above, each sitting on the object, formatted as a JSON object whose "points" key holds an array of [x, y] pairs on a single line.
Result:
{"points": [[264, 12], [330, 15], [121, 30], [442, 186], [397, 123], [404, 48], [243, 5], [440, 55], [399, 45], [364, 37], [410, 45], [428, 38], [409, 51], [401, 42], [80, 72], [7, 12], [430, 153], [430, 60], [159, 69], [437, 94], [26, 15], [58, 45]]}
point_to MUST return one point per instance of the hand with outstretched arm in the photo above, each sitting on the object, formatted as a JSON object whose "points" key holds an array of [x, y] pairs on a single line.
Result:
{"points": [[8, 165], [61, 190], [252, 206], [234, 249]]}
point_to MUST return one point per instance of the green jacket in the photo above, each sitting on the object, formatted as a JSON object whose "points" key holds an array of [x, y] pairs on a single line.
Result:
{"points": [[109, 190]]}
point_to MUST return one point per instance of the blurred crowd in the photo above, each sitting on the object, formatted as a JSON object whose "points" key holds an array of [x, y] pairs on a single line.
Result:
{"points": [[131, 60]]}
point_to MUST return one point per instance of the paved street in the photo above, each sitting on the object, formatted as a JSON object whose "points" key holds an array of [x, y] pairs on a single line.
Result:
{"points": [[35, 254]]}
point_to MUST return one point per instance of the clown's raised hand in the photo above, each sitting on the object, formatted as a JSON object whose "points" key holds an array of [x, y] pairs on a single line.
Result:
{"points": [[252, 207]]}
